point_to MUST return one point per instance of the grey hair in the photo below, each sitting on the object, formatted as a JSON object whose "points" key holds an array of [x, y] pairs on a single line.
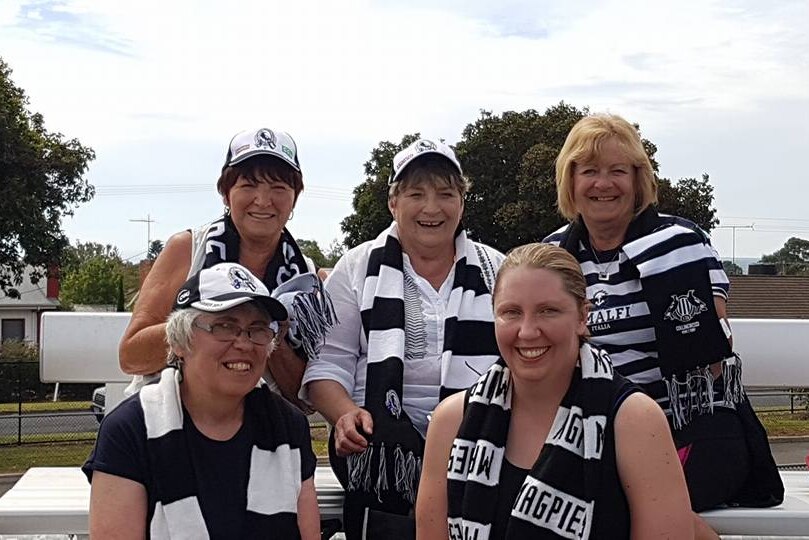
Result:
{"points": [[179, 328]]}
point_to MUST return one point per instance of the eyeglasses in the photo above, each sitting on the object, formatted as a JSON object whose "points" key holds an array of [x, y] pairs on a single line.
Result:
{"points": [[225, 331]]}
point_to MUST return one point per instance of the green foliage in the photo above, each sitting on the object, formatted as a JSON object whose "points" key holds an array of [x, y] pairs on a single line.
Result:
{"points": [[689, 198], [75, 256], [732, 269], [510, 160], [371, 214], [792, 259], [42, 178], [311, 249], [13, 350], [120, 299], [93, 273], [155, 247], [94, 282]]}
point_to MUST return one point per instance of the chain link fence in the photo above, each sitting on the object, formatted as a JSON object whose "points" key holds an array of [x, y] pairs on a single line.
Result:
{"points": [[32, 412]]}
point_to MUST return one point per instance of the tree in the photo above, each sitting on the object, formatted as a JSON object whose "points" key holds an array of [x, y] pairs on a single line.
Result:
{"points": [[732, 269], [311, 249], [94, 282], [510, 160], [689, 198], [83, 276], [792, 259], [75, 256], [371, 214], [42, 178], [155, 247]]}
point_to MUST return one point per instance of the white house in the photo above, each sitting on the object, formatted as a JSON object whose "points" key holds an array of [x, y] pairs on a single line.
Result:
{"points": [[20, 316]]}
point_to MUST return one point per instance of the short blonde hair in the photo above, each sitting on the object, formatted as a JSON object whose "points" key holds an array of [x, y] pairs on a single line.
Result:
{"points": [[547, 257], [583, 144]]}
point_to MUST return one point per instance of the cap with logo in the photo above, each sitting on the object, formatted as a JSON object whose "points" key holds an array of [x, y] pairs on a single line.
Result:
{"points": [[420, 148], [263, 141], [224, 286]]}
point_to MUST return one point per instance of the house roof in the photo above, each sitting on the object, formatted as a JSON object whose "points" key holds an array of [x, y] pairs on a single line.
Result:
{"points": [[769, 297], [32, 295]]}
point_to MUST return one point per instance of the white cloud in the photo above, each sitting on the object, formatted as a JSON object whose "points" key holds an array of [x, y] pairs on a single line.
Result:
{"points": [[131, 79]]}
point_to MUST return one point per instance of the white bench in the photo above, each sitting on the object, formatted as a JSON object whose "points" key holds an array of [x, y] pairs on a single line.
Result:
{"points": [[83, 347], [56, 500]]}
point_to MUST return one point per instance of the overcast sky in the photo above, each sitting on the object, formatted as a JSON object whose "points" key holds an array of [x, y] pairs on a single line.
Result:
{"points": [[157, 88]]}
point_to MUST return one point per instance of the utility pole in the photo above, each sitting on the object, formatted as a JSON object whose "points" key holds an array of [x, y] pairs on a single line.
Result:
{"points": [[733, 228], [148, 221]]}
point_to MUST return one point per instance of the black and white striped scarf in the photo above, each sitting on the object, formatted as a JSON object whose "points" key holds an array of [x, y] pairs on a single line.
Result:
{"points": [[386, 475], [671, 261], [311, 311], [557, 498], [275, 467]]}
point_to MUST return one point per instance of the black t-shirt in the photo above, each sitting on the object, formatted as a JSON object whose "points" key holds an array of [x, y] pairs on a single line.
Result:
{"points": [[222, 468]]}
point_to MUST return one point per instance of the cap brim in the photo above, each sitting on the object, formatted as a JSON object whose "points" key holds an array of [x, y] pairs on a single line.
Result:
{"points": [[260, 152], [395, 177], [275, 308]]}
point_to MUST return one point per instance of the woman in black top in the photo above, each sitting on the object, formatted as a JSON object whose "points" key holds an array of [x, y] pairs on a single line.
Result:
{"points": [[549, 443]]}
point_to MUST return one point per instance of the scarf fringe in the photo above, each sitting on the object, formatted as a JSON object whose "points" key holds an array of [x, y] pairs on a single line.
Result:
{"points": [[406, 472], [732, 375], [693, 394], [314, 317]]}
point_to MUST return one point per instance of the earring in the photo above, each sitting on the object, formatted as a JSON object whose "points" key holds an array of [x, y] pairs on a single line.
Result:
{"points": [[291, 215], [227, 210]]}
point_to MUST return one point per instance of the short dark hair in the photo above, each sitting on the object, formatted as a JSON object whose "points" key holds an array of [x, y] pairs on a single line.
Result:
{"points": [[429, 167], [261, 168]]}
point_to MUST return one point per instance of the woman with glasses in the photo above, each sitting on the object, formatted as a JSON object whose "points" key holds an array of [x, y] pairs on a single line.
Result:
{"points": [[260, 183], [208, 451]]}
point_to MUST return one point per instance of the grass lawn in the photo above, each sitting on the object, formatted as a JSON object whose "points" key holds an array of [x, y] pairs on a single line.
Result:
{"points": [[45, 406], [785, 424], [17, 459]]}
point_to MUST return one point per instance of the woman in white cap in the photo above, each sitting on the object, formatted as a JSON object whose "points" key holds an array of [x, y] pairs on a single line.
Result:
{"points": [[260, 183], [416, 325], [208, 451]]}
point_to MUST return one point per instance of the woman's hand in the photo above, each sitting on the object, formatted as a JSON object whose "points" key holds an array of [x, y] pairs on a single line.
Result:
{"points": [[347, 438]]}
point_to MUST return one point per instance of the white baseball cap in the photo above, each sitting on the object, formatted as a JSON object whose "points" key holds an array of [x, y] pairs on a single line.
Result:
{"points": [[420, 148], [224, 286], [262, 141]]}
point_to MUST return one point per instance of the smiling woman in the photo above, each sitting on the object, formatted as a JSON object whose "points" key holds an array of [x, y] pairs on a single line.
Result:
{"points": [[572, 449], [415, 326], [260, 183], [658, 294], [208, 450]]}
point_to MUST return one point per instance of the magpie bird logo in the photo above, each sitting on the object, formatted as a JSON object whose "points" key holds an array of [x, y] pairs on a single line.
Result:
{"points": [[266, 138], [684, 307]]}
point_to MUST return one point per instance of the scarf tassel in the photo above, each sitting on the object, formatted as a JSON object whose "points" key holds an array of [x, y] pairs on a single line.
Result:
{"points": [[694, 393], [732, 375], [359, 470], [314, 316], [406, 472]]}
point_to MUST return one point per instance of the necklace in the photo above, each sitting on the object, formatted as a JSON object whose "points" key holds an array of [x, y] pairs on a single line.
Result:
{"points": [[605, 273]]}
